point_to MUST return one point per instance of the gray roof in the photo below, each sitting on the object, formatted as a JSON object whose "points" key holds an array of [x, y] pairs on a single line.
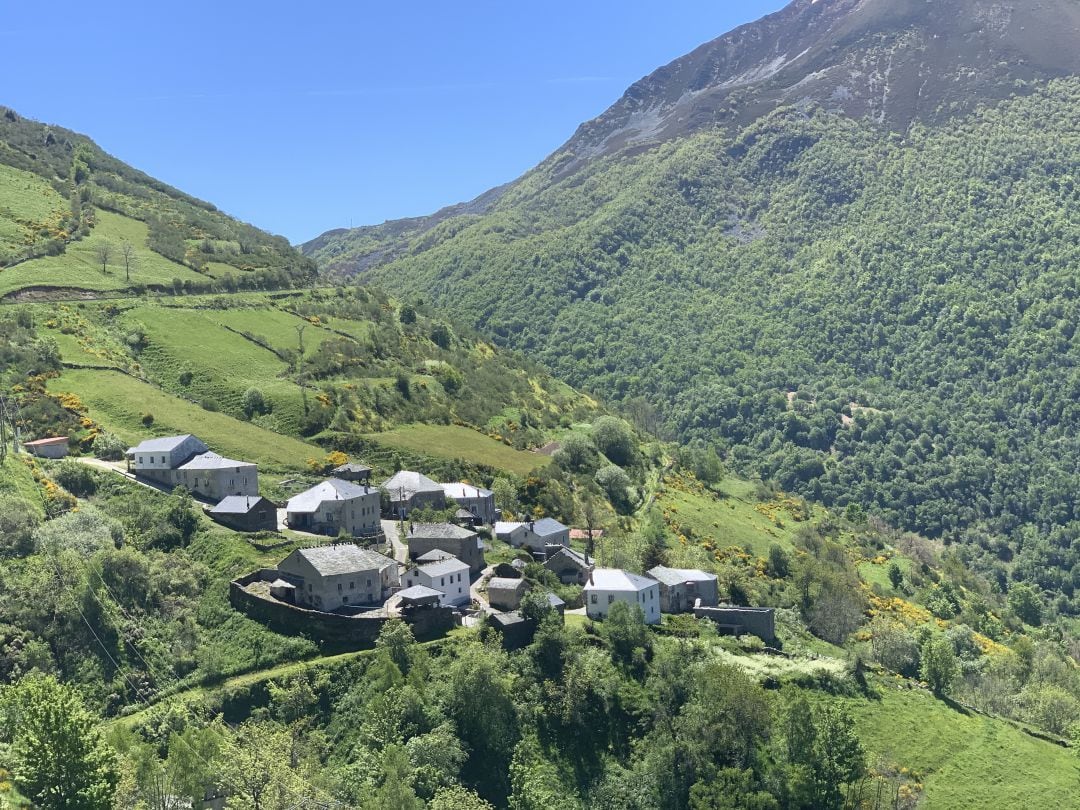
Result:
{"points": [[457, 491], [212, 461], [238, 504], [280, 583], [440, 531], [165, 444], [505, 584], [577, 556], [616, 579], [677, 576], [344, 558], [548, 526], [442, 567], [350, 467], [553, 600], [332, 489], [434, 555], [409, 483], [418, 592], [507, 526]]}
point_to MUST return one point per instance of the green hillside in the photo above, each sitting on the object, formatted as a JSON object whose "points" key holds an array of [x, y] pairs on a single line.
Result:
{"points": [[76, 219], [858, 315]]}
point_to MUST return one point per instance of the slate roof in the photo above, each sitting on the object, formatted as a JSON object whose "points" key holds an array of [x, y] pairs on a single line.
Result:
{"points": [[165, 444], [554, 601], [616, 579], [332, 489], [443, 531], [577, 556], [237, 504], [435, 555], [505, 527], [443, 567], [350, 467], [344, 558], [280, 583], [505, 584], [409, 483], [677, 576], [419, 592], [547, 526], [459, 490], [212, 461]]}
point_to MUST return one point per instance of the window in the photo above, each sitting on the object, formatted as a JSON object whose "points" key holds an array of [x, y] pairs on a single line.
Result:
{"points": [[369, 582], [352, 585], [442, 580], [610, 598], [593, 598], [339, 587]]}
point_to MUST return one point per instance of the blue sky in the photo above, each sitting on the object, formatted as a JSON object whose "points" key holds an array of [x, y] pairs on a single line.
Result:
{"points": [[300, 117]]}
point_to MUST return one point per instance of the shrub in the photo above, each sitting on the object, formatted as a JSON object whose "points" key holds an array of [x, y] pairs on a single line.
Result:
{"points": [[147, 419], [76, 478], [109, 446]]}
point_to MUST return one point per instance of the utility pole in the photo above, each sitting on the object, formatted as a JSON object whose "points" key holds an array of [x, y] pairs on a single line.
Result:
{"points": [[300, 327]]}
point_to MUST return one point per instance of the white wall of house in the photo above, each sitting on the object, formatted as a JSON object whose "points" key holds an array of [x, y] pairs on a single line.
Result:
{"points": [[454, 585], [598, 602]]}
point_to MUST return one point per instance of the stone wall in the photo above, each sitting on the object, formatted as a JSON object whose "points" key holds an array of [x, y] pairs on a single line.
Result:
{"points": [[330, 630], [754, 621]]}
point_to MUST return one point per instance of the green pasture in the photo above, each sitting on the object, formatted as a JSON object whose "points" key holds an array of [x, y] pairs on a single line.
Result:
{"points": [[456, 442]]}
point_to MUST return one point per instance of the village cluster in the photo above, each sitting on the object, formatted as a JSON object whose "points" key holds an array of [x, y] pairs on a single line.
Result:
{"points": [[429, 564]]}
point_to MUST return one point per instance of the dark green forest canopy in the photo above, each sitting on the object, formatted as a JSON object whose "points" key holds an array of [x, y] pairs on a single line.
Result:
{"points": [[918, 292]]}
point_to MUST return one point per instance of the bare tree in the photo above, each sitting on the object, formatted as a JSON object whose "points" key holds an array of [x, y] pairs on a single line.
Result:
{"points": [[104, 253], [127, 251]]}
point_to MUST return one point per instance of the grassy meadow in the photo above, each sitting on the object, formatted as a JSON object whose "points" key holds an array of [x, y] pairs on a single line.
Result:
{"points": [[28, 206], [456, 442]]}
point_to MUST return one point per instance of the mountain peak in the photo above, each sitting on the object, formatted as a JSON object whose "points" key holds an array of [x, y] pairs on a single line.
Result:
{"points": [[895, 61]]}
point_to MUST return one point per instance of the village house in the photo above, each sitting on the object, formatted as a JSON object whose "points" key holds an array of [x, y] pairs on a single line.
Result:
{"points": [[478, 502], [54, 447], [607, 586], [509, 532], [462, 543], [449, 576], [155, 459], [505, 594], [335, 506], [341, 574], [356, 473], [185, 461], [682, 588], [412, 490], [246, 513], [539, 534], [215, 477], [570, 566]]}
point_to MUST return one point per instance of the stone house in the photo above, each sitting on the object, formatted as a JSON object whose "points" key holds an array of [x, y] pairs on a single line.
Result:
{"points": [[449, 576], [246, 513], [54, 447], [341, 574], [569, 565], [412, 490], [607, 586], [335, 506], [462, 543], [681, 588], [215, 477], [505, 594], [478, 502], [535, 535]]}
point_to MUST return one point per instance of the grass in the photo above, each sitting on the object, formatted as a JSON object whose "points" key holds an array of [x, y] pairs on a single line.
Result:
{"points": [[456, 442], [80, 267], [734, 517], [964, 759], [28, 205], [223, 364], [17, 479], [118, 402], [275, 327]]}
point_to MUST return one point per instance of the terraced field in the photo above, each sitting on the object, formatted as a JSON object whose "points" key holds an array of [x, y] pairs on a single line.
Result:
{"points": [[456, 442]]}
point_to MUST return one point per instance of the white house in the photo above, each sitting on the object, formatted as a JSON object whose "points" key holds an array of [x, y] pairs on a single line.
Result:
{"points": [[412, 490], [333, 506], [340, 574], [449, 576], [607, 586], [477, 501], [157, 458]]}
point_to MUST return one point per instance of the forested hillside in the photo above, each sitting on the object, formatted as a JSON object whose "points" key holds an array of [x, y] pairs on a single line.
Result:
{"points": [[864, 317], [75, 218]]}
